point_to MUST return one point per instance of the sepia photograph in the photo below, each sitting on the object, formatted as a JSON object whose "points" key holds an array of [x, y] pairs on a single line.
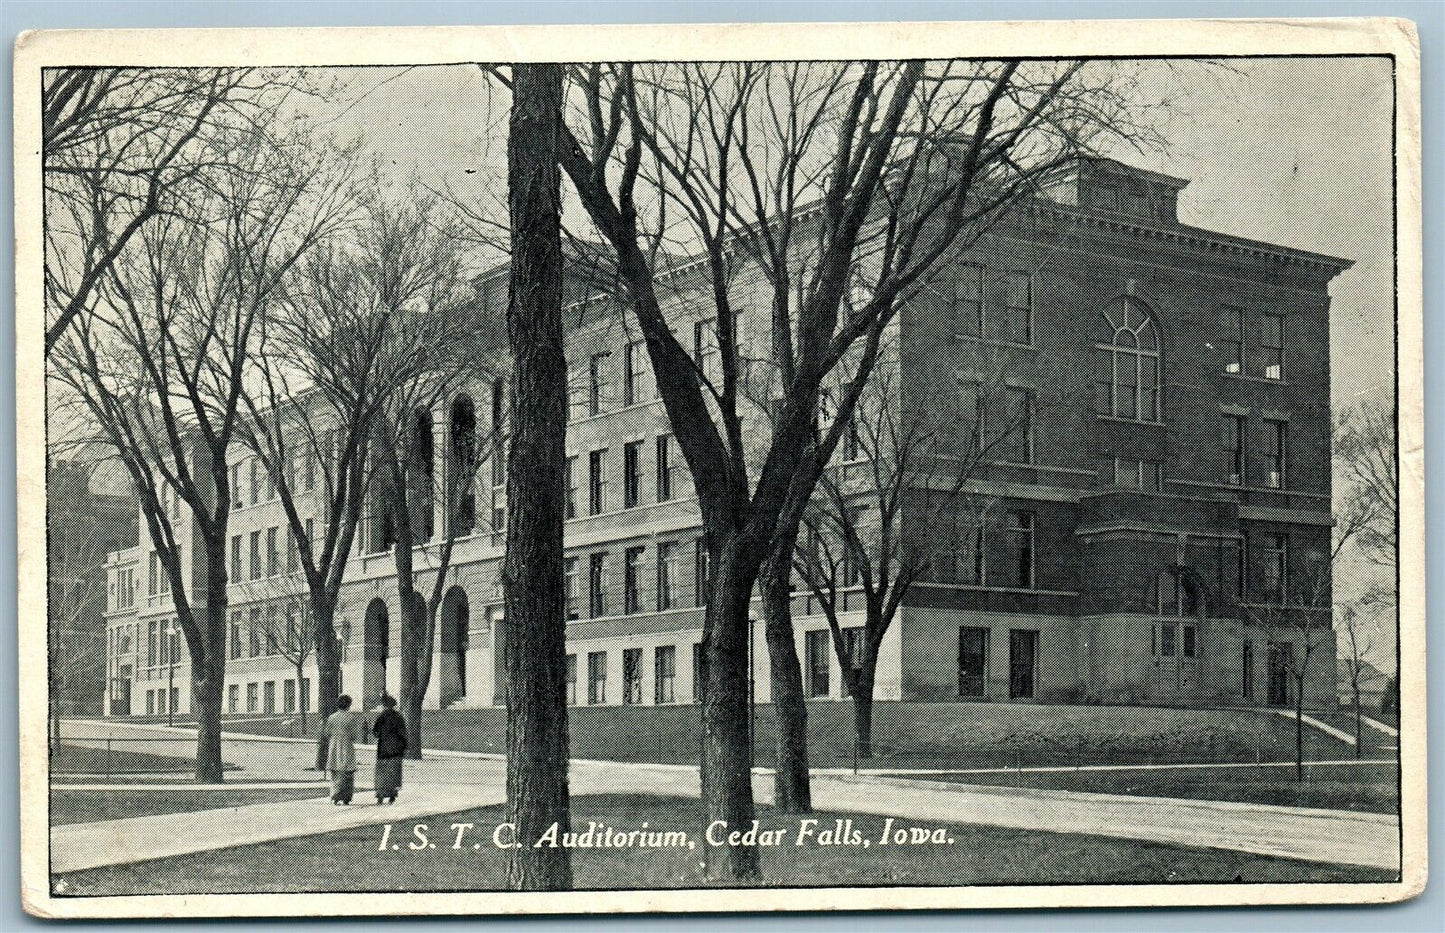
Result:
{"points": [[572, 470]]}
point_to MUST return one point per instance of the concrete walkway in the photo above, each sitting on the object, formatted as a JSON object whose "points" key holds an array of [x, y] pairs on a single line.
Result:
{"points": [[459, 781]]}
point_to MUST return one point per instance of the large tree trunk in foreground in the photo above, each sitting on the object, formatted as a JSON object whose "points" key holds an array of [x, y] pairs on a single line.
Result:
{"points": [[328, 668], [863, 710], [727, 787], [208, 668], [792, 792], [537, 753]]}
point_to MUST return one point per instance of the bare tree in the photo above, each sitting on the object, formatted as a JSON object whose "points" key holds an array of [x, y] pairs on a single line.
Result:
{"points": [[859, 173], [898, 460], [160, 361], [1353, 642], [288, 633], [1364, 446], [1296, 613], [123, 146], [365, 324], [440, 339], [532, 577], [75, 601]]}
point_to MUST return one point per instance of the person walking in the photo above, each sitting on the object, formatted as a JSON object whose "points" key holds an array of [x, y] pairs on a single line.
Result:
{"points": [[390, 732], [343, 729]]}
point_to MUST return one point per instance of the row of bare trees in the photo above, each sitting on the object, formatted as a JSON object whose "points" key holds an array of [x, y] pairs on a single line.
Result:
{"points": [[836, 190], [263, 296]]}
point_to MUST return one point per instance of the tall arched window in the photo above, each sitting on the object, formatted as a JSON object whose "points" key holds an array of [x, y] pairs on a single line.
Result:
{"points": [[1127, 350], [463, 466]]}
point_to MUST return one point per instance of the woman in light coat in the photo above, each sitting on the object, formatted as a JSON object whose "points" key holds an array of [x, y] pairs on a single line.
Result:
{"points": [[343, 729]]}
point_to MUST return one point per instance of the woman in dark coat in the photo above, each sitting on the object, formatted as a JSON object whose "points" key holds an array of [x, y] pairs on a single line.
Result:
{"points": [[390, 732]]}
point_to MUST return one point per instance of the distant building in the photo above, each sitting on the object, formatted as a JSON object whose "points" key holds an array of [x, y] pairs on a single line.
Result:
{"points": [[1170, 485], [1373, 684], [84, 527]]}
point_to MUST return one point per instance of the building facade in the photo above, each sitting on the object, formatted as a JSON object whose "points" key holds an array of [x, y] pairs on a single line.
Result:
{"points": [[1159, 525]]}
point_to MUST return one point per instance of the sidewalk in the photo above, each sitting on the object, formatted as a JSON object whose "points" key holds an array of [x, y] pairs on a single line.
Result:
{"points": [[1313, 835]]}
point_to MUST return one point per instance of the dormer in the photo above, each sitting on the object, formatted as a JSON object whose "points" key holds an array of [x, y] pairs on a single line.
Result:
{"points": [[1115, 188]]}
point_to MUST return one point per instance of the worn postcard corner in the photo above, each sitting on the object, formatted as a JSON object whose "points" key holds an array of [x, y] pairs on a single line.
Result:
{"points": [[591, 469]]}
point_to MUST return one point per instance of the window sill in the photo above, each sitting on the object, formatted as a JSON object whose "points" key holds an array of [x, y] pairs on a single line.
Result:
{"points": [[1242, 377], [1159, 423], [1012, 344]]}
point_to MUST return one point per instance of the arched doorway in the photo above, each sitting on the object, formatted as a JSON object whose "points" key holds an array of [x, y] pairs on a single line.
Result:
{"points": [[376, 649], [455, 626]]}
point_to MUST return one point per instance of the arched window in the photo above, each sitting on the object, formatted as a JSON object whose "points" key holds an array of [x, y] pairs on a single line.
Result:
{"points": [[464, 464], [1127, 350]]}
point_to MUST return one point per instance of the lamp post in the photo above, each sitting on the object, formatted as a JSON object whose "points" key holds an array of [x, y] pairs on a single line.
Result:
{"points": [[171, 679], [752, 699]]}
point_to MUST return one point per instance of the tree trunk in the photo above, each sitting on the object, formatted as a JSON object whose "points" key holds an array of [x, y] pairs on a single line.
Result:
{"points": [[1299, 730], [1356, 690], [208, 671], [413, 608], [532, 579], [301, 691], [792, 791], [727, 788], [328, 668], [863, 709]]}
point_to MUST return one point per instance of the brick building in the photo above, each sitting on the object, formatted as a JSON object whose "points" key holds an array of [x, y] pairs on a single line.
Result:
{"points": [[1168, 492]]}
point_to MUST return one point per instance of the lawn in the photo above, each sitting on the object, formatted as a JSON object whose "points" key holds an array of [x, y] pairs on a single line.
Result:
{"points": [[350, 860], [1363, 788], [921, 735], [84, 806], [79, 759]]}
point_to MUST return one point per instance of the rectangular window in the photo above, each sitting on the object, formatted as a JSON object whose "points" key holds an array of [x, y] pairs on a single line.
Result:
{"points": [[1008, 426], [289, 695], [634, 387], [1186, 641], [596, 677], [1247, 670], [1015, 322], [1276, 567], [252, 694], [270, 491], [597, 585], [1233, 443], [1241, 579], [631, 474], [1023, 653], [161, 696], [255, 481], [150, 702], [664, 674], [293, 557], [272, 648], [255, 634], [569, 575], [701, 579], [1271, 346], [968, 290], [1143, 475], [151, 644], [596, 482], [1233, 342], [632, 676], [664, 467], [268, 694], [1017, 568], [632, 581], [154, 578], [233, 699], [972, 662], [238, 497], [704, 348], [666, 575], [273, 553], [851, 559], [571, 680], [569, 475], [1165, 639], [256, 555], [818, 648], [235, 634], [1275, 448], [597, 384]]}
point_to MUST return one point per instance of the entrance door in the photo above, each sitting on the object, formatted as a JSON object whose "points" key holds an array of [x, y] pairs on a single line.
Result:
{"points": [[1281, 659], [1023, 652], [120, 696]]}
